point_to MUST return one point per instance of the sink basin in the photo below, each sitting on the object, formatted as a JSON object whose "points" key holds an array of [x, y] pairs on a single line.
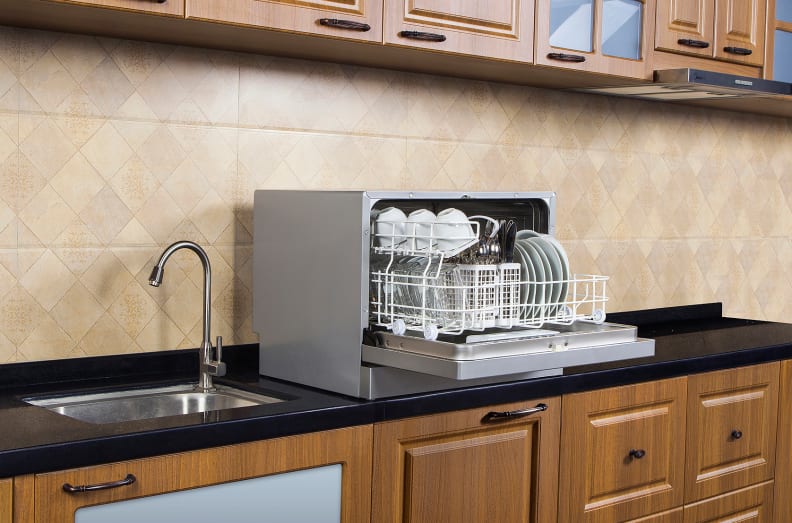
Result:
{"points": [[137, 404]]}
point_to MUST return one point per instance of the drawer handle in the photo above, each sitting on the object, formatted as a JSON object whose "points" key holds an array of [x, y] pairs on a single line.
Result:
{"points": [[418, 35], [742, 51], [345, 24], [71, 489], [698, 44], [511, 414], [736, 434], [563, 57], [637, 453]]}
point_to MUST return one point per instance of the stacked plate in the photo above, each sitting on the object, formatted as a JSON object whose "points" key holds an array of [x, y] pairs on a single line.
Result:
{"points": [[545, 269]]}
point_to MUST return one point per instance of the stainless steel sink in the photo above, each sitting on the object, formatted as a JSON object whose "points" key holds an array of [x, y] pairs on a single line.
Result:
{"points": [[137, 404]]}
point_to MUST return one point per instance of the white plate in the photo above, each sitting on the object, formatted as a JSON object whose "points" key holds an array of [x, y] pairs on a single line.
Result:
{"points": [[556, 272], [566, 274], [528, 277], [540, 296], [546, 286]]}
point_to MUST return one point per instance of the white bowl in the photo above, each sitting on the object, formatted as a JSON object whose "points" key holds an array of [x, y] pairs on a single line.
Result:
{"points": [[420, 225], [390, 227], [453, 231]]}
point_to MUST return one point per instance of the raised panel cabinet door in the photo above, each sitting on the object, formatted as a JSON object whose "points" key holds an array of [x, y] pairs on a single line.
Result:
{"points": [[344, 19], [622, 452], [499, 29], [740, 31], [731, 429], [748, 505], [173, 473], [686, 26], [603, 36], [6, 493], [783, 472], [467, 467], [165, 7]]}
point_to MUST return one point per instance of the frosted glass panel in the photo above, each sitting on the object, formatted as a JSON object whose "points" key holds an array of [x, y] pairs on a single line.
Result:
{"points": [[571, 23], [782, 56], [305, 496], [621, 28], [784, 10]]}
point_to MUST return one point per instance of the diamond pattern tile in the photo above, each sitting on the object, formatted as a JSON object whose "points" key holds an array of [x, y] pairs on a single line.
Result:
{"points": [[110, 149]]}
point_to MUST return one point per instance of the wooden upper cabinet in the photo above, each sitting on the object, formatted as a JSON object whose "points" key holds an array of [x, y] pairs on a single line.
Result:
{"points": [[461, 468], [623, 452], [499, 29], [346, 19], [730, 30], [602, 36], [731, 429], [167, 7]]}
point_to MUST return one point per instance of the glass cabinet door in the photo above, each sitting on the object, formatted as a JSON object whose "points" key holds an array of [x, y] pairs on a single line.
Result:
{"points": [[780, 35], [622, 24], [572, 24]]}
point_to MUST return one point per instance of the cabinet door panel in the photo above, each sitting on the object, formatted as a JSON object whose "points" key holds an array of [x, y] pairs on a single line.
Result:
{"points": [[6, 491], [740, 27], [168, 7], [296, 16], [731, 429], [783, 472], [350, 447], [749, 505], [622, 452], [689, 21], [500, 29], [457, 468]]}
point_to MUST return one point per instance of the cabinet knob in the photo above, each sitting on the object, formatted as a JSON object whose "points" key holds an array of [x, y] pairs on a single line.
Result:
{"points": [[637, 453], [736, 434]]}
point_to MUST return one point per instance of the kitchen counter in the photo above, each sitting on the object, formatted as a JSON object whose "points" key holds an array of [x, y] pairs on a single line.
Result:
{"points": [[32, 439]]}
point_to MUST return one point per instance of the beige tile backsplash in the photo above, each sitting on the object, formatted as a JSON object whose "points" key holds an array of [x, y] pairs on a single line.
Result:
{"points": [[112, 149]]}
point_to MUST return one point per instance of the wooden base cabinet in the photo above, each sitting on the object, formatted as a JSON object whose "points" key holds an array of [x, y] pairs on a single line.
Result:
{"points": [[6, 506], [731, 429], [157, 478], [748, 505], [783, 475], [468, 466], [622, 452]]}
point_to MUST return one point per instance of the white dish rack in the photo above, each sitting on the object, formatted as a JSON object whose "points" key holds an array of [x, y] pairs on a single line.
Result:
{"points": [[426, 292]]}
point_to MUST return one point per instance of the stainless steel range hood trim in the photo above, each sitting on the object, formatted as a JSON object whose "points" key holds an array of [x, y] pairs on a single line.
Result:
{"points": [[696, 84]]}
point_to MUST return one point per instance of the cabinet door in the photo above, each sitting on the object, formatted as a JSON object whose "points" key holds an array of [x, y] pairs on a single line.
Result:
{"points": [[686, 26], [603, 36], [349, 447], [749, 505], [347, 19], [731, 429], [167, 7], [623, 452], [783, 473], [740, 31], [460, 468], [501, 29], [6, 491], [778, 41]]}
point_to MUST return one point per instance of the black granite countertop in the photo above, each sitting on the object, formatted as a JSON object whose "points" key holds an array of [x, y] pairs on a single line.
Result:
{"points": [[32, 439]]}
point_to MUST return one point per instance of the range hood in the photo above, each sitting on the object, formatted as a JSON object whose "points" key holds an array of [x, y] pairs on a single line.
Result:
{"points": [[695, 84]]}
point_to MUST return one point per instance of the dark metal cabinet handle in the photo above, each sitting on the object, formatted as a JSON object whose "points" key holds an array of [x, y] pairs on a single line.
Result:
{"points": [[71, 489], [418, 35], [563, 57], [161, 1], [736, 434], [512, 414], [698, 44], [637, 453], [345, 24], [742, 51]]}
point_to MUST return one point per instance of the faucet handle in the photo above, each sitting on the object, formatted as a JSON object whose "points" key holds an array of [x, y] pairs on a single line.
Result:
{"points": [[219, 349]]}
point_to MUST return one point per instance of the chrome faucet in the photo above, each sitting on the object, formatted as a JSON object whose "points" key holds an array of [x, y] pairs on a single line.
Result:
{"points": [[207, 367]]}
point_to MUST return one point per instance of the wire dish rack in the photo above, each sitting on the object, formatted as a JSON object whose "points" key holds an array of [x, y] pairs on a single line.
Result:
{"points": [[432, 294]]}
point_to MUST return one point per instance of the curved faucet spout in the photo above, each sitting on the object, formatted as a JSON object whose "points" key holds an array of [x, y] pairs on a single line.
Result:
{"points": [[208, 367]]}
